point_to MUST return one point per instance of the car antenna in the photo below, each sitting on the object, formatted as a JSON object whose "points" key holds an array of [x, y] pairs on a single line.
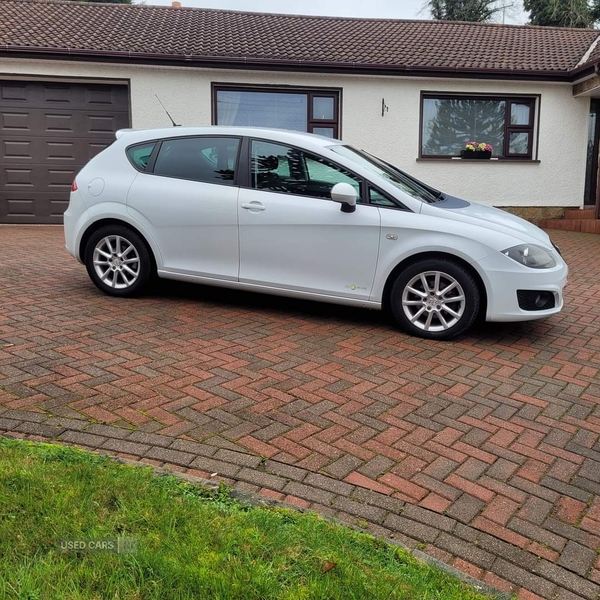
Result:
{"points": [[168, 115]]}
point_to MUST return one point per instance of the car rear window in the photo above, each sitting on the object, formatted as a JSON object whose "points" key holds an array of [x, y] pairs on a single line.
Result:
{"points": [[139, 155]]}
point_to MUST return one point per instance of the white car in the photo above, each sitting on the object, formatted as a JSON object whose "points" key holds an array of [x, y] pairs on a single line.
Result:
{"points": [[306, 216]]}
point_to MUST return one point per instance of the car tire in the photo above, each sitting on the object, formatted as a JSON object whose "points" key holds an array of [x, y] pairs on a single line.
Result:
{"points": [[435, 298], [118, 261]]}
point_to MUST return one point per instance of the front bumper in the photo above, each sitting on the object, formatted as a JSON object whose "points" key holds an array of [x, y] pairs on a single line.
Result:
{"points": [[505, 276]]}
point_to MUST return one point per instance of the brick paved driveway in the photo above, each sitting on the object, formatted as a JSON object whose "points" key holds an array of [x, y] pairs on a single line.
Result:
{"points": [[485, 452]]}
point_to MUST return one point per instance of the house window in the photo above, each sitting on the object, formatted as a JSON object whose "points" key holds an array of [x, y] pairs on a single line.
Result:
{"points": [[299, 110], [449, 122]]}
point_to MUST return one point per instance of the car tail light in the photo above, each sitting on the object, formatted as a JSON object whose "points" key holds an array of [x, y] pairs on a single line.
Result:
{"points": [[74, 186]]}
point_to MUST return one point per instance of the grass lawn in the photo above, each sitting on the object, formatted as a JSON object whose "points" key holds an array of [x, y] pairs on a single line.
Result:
{"points": [[191, 543]]}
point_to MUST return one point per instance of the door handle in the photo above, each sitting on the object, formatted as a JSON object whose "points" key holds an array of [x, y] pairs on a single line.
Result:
{"points": [[254, 206]]}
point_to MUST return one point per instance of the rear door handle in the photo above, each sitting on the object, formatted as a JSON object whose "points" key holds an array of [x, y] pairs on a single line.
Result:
{"points": [[254, 206]]}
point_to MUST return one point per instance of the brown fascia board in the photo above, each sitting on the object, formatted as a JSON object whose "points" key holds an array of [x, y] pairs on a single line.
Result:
{"points": [[269, 64], [592, 68]]}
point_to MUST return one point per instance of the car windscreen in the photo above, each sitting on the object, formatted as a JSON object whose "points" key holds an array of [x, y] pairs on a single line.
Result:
{"points": [[405, 183]]}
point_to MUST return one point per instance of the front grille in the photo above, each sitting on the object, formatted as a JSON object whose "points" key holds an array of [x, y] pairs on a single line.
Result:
{"points": [[534, 300]]}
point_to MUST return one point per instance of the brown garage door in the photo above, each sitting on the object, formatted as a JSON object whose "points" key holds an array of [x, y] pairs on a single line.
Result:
{"points": [[48, 131]]}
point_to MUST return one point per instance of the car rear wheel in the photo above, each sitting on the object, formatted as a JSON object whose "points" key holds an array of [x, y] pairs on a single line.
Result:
{"points": [[118, 261], [435, 299]]}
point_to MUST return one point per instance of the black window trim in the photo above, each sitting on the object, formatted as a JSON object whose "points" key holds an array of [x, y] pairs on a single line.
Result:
{"points": [[533, 100], [311, 92], [153, 157], [158, 145]]}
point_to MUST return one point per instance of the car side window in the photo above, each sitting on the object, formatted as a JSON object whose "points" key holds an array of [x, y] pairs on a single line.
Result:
{"points": [[379, 199], [139, 155], [204, 159], [280, 168]]}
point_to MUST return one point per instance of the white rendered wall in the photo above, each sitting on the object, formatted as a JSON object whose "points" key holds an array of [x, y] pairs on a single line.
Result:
{"points": [[557, 180]]}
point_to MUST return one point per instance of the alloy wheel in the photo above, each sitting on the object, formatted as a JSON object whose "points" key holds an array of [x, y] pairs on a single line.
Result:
{"points": [[433, 301], [116, 262]]}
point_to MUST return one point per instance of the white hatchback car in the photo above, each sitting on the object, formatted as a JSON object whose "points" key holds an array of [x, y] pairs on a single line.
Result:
{"points": [[301, 215]]}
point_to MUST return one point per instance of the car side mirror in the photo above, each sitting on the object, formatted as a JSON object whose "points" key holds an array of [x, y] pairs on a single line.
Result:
{"points": [[346, 195]]}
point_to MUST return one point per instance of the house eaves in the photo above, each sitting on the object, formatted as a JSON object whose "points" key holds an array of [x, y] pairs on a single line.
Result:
{"points": [[253, 63]]}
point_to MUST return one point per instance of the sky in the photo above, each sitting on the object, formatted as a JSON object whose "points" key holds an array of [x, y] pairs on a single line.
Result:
{"points": [[390, 9]]}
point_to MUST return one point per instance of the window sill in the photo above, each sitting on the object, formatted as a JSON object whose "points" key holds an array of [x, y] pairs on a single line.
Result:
{"points": [[517, 161]]}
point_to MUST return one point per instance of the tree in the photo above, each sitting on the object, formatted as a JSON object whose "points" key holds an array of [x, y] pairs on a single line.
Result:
{"points": [[563, 13], [464, 10]]}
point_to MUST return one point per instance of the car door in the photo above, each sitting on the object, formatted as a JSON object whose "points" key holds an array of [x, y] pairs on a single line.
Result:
{"points": [[293, 236], [188, 201]]}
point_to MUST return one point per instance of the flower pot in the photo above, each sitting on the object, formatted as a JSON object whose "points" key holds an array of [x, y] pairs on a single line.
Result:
{"points": [[476, 154]]}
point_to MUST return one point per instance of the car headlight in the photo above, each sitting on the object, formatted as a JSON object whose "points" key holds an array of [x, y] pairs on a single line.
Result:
{"points": [[531, 256]]}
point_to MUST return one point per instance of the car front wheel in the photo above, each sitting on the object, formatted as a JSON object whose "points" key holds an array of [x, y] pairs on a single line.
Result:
{"points": [[118, 261], [435, 299]]}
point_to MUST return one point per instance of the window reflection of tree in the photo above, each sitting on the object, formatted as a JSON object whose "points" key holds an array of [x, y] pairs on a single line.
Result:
{"points": [[225, 175], [289, 173], [456, 121], [519, 143]]}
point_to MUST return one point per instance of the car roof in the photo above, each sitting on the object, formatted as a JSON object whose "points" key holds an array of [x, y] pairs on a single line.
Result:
{"points": [[277, 135]]}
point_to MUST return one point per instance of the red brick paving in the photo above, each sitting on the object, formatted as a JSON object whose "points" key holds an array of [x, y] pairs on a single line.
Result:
{"points": [[485, 451]]}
